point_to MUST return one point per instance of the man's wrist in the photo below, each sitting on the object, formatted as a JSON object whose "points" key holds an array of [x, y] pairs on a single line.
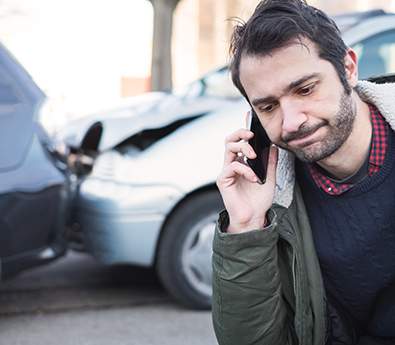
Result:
{"points": [[235, 228]]}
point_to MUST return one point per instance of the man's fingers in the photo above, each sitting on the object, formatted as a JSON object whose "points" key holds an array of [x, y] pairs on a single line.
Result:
{"points": [[237, 169], [240, 134], [233, 149], [234, 143]]}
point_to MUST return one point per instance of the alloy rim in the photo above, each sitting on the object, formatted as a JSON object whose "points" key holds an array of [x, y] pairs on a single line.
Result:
{"points": [[196, 255]]}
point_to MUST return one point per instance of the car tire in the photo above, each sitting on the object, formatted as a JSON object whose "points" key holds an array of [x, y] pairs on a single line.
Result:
{"points": [[185, 249]]}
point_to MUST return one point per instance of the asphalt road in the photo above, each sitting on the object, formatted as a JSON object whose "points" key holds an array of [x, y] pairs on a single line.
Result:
{"points": [[76, 301]]}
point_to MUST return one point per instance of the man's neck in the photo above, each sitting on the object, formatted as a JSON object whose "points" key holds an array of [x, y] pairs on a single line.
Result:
{"points": [[349, 158]]}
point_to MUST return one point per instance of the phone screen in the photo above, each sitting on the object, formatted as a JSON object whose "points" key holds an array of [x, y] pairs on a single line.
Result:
{"points": [[261, 145]]}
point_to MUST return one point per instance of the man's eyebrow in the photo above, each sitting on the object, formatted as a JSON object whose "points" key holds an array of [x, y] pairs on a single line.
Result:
{"points": [[270, 99], [300, 81], [258, 101]]}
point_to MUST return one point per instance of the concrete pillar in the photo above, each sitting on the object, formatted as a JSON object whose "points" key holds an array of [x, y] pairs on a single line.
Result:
{"points": [[207, 16]]}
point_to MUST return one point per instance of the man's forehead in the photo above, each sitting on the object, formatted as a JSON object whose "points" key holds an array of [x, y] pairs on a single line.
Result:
{"points": [[280, 68], [297, 47]]}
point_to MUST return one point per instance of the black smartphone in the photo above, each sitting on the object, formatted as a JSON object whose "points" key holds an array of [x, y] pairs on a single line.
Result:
{"points": [[261, 145]]}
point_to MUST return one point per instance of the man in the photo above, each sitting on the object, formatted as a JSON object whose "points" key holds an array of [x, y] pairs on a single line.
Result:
{"points": [[309, 256]]}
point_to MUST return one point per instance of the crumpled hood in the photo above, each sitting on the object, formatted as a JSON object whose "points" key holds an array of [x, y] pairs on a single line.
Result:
{"points": [[73, 132], [127, 121]]}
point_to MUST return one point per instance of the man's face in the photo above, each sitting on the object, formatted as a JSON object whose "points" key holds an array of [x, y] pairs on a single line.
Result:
{"points": [[299, 100]]}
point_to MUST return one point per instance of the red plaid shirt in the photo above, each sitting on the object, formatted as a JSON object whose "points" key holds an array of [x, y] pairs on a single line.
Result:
{"points": [[376, 157]]}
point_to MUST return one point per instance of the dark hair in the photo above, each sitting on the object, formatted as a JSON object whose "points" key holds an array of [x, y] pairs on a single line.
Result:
{"points": [[275, 24]]}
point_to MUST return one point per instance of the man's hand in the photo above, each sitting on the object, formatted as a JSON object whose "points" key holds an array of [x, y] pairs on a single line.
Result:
{"points": [[246, 201]]}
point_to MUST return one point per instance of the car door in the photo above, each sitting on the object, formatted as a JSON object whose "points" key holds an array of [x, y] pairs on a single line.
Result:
{"points": [[33, 192]]}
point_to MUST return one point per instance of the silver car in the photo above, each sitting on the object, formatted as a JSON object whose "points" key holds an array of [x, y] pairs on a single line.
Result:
{"points": [[150, 198]]}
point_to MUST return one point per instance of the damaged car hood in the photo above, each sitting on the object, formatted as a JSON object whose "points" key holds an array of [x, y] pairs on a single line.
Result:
{"points": [[157, 110]]}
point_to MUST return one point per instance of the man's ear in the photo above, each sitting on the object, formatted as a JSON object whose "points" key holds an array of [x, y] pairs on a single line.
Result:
{"points": [[351, 66]]}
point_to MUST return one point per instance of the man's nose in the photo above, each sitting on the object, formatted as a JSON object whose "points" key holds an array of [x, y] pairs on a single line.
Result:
{"points": [[293, 117]]}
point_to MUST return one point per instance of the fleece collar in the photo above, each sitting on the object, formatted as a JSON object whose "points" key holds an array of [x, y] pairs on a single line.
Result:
{"points": [[381, 95]]}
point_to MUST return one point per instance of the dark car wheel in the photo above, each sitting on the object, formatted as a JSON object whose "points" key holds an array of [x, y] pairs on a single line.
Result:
{"points": [[185, 249]]}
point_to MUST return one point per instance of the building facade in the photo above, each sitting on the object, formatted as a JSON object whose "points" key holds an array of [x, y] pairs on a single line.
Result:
{"points": [[202, 30]]}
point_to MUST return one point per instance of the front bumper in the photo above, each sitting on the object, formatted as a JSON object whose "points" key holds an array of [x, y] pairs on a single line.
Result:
{"points": [[121, 223]]}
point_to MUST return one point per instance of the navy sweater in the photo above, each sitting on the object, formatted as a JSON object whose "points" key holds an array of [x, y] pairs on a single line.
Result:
{"points": [[354, 235]]}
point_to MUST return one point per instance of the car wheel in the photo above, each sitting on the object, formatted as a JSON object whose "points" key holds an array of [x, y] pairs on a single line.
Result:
{"points": [[185, 250]]}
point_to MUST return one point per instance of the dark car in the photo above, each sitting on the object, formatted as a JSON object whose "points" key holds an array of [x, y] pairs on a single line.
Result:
{"points": [[34, 188]]}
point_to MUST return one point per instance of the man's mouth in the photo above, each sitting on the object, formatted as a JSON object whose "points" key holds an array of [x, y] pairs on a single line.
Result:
{"points": [[305, 139]]}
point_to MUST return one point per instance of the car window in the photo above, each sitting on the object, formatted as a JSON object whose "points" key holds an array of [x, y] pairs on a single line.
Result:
{"points": [[376, 55], [192, 90], [219, 84], [214, 84], [7, 95], [16, 116]]}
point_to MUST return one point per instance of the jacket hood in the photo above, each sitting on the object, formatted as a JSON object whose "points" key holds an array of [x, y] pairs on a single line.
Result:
{"points": [[381, 95]]}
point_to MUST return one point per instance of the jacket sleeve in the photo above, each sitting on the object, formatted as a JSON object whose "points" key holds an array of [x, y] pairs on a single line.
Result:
{"points": [[248, 306]]}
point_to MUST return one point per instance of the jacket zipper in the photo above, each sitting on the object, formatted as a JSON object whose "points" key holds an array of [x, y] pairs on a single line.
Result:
{"points": [[293, 270], [288, 236]]}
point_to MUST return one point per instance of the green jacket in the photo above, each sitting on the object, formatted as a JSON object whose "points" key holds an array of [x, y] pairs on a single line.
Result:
{"points": [[267, 284]]}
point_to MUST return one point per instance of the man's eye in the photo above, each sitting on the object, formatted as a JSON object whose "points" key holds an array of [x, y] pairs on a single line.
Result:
{"points": [[307, 90], [267, 108]]}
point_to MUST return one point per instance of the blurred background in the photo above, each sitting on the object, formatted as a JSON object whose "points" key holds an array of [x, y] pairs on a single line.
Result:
{"points": [[111, 166], [107, 44]]}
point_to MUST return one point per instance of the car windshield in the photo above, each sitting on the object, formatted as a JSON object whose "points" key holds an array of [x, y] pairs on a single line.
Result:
{"points": [[214, 84], [376, 55], [348, 20]]}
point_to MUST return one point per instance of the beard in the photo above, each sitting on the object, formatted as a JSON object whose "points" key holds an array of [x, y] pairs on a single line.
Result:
{"points": [[339, 129]]}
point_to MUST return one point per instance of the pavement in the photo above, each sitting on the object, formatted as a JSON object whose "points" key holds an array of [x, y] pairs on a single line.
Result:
{"points": [[77, 301]]}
